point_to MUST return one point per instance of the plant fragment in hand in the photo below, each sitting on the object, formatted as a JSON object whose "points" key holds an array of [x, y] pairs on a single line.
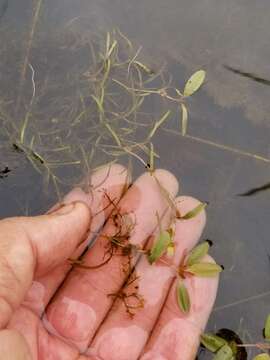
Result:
{"points": [[198, 253], [194, 82], [224, 353], [160, 246], [212, 342], [183, 299], [204, 269], [194, 212]]}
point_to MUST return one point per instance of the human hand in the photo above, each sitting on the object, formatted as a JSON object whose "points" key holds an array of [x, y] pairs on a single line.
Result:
{"points": [[51, 310]]}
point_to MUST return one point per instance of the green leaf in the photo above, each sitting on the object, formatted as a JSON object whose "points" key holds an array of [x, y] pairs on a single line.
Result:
{"points": [[224, 353], [143, 67], [212, 342], [170, 250], [184, 119], [160, 246], [158, 124], [194, 82], [198, 253], [194, 212], [204, 269], [267, 328], [152, 157], [262, 357], [183, 298]]}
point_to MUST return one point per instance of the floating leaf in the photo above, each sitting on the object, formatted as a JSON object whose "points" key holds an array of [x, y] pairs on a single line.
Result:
{"points": [[204, 269], [183, 298], [198, 253], [184, 119], [194, 212], [224, 353], [160, 246], [262, 357], [267, 328], [194, 82], [212, 342]]}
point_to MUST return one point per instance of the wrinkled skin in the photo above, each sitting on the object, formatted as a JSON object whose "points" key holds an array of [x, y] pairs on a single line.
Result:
{"points": [[51, 310]]}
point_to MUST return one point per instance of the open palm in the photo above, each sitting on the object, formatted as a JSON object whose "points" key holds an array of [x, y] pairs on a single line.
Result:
{"points": [[100, 307]]}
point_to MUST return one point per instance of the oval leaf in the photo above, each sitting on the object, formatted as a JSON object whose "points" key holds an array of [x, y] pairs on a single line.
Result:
{"points": [[262, 357], [212, 342], [194, 212], [160, 246], [198, 253], [194, 82], [267, 328], [183, 298], [204, 269], [224, 353], [184, 119]]}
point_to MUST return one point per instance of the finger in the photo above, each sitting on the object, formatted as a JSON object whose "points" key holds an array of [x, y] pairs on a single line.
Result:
{"points": [[84, 297], [111, 180], [41, 345], [13, 346], [121, 337], [177, 336], [32, 245]]}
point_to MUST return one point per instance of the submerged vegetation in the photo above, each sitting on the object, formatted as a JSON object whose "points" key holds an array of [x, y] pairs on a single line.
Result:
{"points": [[69, 117]]}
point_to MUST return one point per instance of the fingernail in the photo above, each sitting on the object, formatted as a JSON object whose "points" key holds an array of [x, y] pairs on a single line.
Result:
{"points": [[63, 209]]}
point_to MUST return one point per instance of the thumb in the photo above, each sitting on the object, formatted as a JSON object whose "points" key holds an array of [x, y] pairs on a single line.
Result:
{"points": [[32, 246]]}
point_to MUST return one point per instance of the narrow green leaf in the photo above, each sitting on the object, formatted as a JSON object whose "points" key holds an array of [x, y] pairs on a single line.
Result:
{"points": [[262, 357], [159, 123], [160, 246], [111, 48], [178, 92], [224, 353], [143, 67], [212, 342], [267, 328], [24, 126], [184, 119], [183, 298], [198, 253], [151, 159], [99, 104], [114, 135], [194, 212], [204, 269], [194, 82]]}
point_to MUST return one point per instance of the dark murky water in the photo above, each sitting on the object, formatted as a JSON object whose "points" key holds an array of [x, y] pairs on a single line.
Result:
{"points": [[231, 110]]}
